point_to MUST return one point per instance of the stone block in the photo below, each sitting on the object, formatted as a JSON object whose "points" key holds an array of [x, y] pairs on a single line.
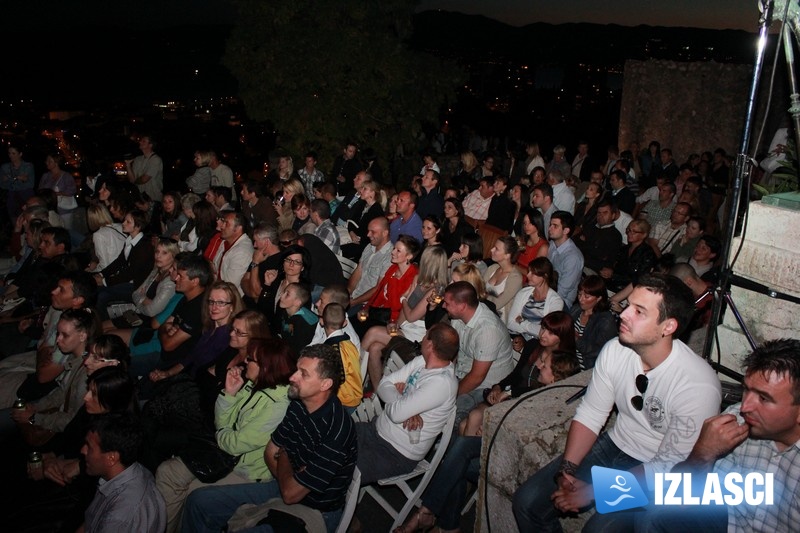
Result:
{"points": [[530, 436]]}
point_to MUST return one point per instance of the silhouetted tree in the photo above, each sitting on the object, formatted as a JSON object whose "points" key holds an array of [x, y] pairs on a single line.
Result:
{"points": [[327, 71]]}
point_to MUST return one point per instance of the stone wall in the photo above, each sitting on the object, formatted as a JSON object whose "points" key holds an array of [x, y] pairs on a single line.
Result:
{"points": [[768, 256], [530, 437], [688, 107]]}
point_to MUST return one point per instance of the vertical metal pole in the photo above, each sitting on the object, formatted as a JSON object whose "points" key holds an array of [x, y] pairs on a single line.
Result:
{"points": [[794, 108], [742, 172]]}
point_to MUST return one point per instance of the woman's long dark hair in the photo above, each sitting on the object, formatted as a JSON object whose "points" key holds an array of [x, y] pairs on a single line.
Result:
{"points": [[560, 324]]}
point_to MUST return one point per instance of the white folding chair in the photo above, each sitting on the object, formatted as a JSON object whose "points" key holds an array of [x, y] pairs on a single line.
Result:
{"points": [[347, 265], [368, 409], [393, 363], [364, 362], [470, 502], [350, 502], [424, 468]]}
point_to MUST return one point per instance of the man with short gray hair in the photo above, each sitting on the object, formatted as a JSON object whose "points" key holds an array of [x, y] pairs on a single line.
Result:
{"points": [[266, 256]]}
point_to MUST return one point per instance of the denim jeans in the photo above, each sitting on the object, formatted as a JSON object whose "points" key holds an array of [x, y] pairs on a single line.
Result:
{"points": [[705, 518], [208, 509], [533, 509], [445, 493]]}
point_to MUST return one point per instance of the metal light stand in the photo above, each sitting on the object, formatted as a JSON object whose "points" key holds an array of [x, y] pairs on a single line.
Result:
{"points": [[743, 167]]}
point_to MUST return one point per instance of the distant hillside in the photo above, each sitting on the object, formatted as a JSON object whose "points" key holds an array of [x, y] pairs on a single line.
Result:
{"points": [[475, 36]]}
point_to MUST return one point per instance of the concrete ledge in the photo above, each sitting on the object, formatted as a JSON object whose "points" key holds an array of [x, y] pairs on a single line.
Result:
{"points": [[529, 438]]}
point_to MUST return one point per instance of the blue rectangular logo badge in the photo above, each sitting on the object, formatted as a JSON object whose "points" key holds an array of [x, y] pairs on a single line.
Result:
{"points": [[616, 490]]}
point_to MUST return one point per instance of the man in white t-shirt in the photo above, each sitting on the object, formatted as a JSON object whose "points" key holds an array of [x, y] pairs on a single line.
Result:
{"points": [[663, 392], [418, 397]]}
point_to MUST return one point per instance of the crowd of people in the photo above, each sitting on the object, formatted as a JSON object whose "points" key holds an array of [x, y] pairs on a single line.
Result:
{"points": [[203, 348]]}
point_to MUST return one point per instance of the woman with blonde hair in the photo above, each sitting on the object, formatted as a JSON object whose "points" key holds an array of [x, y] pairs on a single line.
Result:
{"points": [[358, 226], [283, 205], [471, 274], [221, 303], [534, 159], [470, 172], [247, 325], [107, 237], [200, 181]]}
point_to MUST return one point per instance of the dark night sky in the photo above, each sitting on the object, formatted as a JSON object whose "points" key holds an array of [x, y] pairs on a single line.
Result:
{"points": [[715, 14], [149, 14]]}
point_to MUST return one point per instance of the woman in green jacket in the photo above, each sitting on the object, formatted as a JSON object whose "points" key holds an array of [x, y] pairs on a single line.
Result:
{"points": [[249, 408]]}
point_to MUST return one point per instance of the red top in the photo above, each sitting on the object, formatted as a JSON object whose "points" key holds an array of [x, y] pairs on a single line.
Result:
{"points": [[529, 254], [391, 288]]}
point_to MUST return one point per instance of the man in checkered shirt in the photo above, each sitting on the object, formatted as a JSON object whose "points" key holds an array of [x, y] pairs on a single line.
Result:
{"points": [[760, 434]]}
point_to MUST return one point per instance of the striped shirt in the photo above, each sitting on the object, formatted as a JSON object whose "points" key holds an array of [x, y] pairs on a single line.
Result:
{"points": [[321, 447]]}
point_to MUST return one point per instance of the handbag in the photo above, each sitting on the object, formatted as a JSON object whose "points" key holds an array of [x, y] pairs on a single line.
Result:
{"points": [[204, 458], [381, 315]]}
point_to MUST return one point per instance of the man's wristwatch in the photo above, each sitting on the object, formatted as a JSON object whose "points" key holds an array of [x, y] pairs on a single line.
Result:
{"points": [[566, 467]]}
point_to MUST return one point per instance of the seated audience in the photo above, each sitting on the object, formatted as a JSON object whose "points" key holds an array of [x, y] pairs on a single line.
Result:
{"points": [[249, 407], [334, 294], [549, 358], [293, 269], [534, 302], [683, 248], [221, 304], [410, 321], [600, 243], [41, 419], [129, 270], [384, 306], [594, 323], [325, 268], [705, 256], [246, 326], [444, 497], [375, 261], [127, 498], [301, 207], [748, 437], [484, 345], [351, 392], [634, 259], [233, 257], [299, 321], [178, 334], [369, 208], [586, 211], [470, 251], [172, 216], [266, 256], [314, 471], [107, 237], [672, 375], [408, 221], [196, 234], [533, 238], [419, 397], [454, 226], [503, 279]]}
